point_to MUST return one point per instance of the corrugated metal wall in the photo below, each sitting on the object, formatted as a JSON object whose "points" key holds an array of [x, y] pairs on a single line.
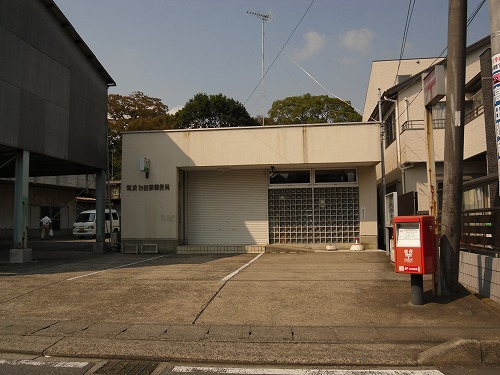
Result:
{"points": [[227, 207], [54, 102]]}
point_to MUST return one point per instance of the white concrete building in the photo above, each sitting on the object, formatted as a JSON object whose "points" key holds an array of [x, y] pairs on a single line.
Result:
{"points": [[239, 189]]}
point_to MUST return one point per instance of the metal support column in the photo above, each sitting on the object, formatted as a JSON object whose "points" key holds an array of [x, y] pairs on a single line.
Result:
{"points": [[100, 188], [20, 253]]}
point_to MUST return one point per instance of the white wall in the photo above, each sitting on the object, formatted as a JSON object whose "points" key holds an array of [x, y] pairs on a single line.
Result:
{"points": [[153, 214], [368, 202], [383, 75], [481, 274]]}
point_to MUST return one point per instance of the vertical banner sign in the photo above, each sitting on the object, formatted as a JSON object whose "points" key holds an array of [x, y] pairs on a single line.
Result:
{"points": [[495, 65]]}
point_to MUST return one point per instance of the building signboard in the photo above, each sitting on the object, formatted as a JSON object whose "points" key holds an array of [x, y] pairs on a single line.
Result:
{"points": [[434, 86], [495, 67]]}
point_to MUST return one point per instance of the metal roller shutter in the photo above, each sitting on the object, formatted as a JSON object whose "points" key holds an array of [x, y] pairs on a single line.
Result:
{"points": [[227, 207]]}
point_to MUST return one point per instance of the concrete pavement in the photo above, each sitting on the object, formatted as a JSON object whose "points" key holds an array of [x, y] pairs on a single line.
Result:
{"points": [[312, 308]]}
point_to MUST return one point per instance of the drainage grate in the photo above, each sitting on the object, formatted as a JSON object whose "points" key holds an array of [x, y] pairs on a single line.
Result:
{"points": [[127, 368]]}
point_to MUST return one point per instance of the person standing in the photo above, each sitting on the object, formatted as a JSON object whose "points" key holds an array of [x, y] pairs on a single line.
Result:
{"points": [[45, 224]]}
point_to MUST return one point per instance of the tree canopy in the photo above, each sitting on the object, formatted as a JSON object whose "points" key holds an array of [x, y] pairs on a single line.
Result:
{"points": [[213, 111], [309, 109], [133, 112], [136, 112]]}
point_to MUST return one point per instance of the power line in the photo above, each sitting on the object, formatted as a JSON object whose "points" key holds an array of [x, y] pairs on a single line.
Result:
{"points": [[469, 21], [476, 11], [409, 13], [318, 83]]}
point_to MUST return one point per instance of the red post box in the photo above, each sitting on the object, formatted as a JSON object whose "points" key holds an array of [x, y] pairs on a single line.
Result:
{"points": [[415, 244]]}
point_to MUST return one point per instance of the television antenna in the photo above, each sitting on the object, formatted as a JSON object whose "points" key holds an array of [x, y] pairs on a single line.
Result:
{"points": [[263, 17]]}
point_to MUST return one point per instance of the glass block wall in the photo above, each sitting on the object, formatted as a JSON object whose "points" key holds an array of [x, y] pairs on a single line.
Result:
{"points": [[313, 215]]}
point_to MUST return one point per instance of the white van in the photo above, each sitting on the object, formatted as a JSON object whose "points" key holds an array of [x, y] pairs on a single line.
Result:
{"points": [[85, 225]]}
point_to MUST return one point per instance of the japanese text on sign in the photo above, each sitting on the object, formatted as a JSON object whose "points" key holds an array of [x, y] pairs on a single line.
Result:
{"points": [[408, 256], [149, 187], [495, 67]]}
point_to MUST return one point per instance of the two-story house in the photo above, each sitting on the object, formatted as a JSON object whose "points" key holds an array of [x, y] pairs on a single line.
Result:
{"points": [[403, 172]]}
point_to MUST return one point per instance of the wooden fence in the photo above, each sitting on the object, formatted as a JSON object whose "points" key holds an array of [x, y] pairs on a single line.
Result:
{"points": [[481, 230]]}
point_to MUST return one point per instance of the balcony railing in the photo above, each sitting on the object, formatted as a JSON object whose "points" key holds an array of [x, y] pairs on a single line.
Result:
{"points": [[419, 124], [439, 123], [412, 125], [476, 112]]}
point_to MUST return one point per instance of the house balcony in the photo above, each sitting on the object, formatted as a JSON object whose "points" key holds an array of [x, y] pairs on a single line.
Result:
{"points": [[413, 138]]}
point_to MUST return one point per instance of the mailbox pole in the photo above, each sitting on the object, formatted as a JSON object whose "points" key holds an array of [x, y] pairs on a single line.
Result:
{"points": [[417, 289]]}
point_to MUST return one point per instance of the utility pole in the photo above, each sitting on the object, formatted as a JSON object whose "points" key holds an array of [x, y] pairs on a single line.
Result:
{"points": [[382, 169], [454, 148], [263, 18]]}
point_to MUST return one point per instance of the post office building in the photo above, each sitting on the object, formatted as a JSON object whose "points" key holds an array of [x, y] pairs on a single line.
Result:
{"points": [[242, 189]]}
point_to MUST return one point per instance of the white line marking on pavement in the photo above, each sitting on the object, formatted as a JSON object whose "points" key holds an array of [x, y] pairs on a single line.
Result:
{"points": [[44, 363], [241, 268], [271, 371], [114, 268]]}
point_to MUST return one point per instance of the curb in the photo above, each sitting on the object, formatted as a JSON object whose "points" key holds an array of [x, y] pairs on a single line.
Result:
{"points": [[462, 352], [459, 351]]}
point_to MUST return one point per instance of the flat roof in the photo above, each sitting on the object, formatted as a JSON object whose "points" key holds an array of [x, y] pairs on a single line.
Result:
{"points": [[253, 127]]}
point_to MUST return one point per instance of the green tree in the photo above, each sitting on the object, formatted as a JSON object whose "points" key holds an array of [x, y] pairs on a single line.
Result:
{"points": [[133, 112], [267, 120], [309, 109], [214, 111]]}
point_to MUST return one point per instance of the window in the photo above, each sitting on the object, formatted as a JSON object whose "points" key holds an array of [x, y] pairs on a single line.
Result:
{"points": [[85, 217], [476, 198], [438, 115], [335, 176], [290, 177], [390, 129]]}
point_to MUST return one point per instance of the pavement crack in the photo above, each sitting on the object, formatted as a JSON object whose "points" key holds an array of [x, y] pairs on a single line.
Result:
{"points": [[44, 351], [224, 281], [29, 292], [41, 329], [205, 306]]}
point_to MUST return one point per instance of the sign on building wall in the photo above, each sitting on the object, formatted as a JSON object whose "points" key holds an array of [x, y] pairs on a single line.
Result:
{"points": [[434, 86], [495, 65], [148, 187]]}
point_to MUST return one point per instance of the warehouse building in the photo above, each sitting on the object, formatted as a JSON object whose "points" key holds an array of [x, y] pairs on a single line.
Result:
{"points": [[53, 100]]}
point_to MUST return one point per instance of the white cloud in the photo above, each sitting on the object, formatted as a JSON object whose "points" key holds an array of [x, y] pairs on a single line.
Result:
{"points": [[357, 40], [349, 61], [172, 111], [314, 44]]}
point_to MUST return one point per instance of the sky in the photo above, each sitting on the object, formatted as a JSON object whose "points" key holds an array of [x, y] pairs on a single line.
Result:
{"points": [[174, 49]]}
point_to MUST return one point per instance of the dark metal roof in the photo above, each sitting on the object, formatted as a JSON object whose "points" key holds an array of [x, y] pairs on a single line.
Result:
{"points": [[40, 165], [66, 25]]}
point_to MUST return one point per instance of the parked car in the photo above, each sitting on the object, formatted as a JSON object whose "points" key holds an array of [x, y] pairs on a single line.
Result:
{"points": [[85, 225]]}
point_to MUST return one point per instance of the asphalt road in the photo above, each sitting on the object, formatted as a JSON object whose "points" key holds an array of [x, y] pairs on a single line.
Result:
{"points": [[49, 366], [324, 308]]}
